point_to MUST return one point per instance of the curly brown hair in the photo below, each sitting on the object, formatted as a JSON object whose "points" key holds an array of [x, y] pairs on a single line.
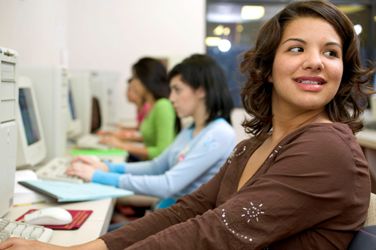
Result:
{"points": [[257, 66]]}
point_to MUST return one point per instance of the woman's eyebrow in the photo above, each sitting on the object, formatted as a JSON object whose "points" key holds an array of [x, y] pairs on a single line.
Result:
{"points": [[304, 42], [294, 39]]}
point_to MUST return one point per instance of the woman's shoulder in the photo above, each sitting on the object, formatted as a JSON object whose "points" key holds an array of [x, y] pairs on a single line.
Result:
{"points": [[220, 127], [163, 103], [330, 133], [334, 141], [163, 107]]}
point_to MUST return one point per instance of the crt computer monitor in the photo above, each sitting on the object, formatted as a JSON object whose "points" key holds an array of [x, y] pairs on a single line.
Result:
{"points": [[81, 93], [50, 84], [103, 87], [31, 148], [93, 98]]}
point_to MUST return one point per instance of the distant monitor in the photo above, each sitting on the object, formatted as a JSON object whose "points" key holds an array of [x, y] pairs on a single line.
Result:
{"points": [[82, 98], [72, 108], [93, 93], [103, 85], [96, 115], [74, 123], [8, 127], [31, 144]]}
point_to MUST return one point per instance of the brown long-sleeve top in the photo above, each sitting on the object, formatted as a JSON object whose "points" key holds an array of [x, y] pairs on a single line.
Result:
{"points": [[311, 193]]}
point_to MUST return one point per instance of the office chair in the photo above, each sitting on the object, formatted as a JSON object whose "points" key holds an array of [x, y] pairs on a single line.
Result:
{"points": [[365, 239]]}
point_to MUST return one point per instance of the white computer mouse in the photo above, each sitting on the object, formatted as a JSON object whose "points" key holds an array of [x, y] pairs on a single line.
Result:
{"points": [[49, 216]]}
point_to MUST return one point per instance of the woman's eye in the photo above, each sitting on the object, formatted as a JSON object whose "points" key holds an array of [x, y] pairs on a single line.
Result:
{"points": [[331, 53], [296, 49], [176, 90]]}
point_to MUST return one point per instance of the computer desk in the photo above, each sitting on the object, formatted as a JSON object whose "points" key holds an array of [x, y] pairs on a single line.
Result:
{"points": [[95, 226]]}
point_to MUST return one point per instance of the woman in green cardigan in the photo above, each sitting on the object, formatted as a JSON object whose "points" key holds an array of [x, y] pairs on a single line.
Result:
{"points": [[158, 128]]}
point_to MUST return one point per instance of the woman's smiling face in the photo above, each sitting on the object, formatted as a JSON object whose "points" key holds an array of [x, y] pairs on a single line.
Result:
{"points": [[308, 65]]}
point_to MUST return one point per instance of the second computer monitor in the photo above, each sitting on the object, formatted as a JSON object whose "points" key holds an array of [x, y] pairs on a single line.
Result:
{"points": [[31, 148], [74, 127]]}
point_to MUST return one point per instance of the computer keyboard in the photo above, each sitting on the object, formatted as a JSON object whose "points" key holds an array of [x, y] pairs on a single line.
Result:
{"points": [[10, 228], [55, 170], [90, 141]]}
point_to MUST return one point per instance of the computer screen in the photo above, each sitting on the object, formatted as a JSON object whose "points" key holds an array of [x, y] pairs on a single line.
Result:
{"points": [[81, 97], [74, 124], [31, 145], [72, 108], [28, 116], [8, 128]]}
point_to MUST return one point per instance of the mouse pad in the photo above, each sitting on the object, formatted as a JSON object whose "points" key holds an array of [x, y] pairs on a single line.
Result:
{"points": [[79, 217]]}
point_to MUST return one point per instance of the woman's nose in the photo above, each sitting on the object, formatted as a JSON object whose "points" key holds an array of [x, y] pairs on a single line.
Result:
{"points": [[171, 97], [313, 61]]}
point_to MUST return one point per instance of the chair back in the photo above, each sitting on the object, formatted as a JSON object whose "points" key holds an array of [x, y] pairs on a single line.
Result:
{"points": [[371, 216], [365, 239]]}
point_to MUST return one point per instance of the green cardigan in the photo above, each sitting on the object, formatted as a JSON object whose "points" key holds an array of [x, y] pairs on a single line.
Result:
{"points": [[158, 127]]}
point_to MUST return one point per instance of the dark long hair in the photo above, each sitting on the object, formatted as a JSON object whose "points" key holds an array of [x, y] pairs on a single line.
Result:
{"points": [[153, 75], [202, 71], [257, 66]]}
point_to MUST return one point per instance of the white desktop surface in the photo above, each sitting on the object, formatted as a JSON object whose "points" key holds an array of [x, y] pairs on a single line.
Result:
{"points": [[95, 226]]}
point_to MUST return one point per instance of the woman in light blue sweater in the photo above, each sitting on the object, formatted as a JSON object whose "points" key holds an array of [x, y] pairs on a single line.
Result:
{"points": [[199, 90]]}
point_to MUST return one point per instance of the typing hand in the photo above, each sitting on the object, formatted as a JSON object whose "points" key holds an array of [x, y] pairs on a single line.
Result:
{"points": [[104, 132], [112, 141], [128, 135], [91, 162], [82, 170]]}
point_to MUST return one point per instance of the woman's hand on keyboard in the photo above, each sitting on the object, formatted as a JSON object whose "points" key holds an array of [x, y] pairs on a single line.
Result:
{"points": [[112, 141], [82, 170], [91, 162]]}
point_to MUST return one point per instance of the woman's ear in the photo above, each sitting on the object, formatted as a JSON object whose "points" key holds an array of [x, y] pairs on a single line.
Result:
{"points": [[270, 78], [200, 92]]}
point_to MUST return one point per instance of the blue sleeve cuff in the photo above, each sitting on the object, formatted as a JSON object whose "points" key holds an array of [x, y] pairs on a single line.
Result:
{"points": [[111, 179], [116, 167]]}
